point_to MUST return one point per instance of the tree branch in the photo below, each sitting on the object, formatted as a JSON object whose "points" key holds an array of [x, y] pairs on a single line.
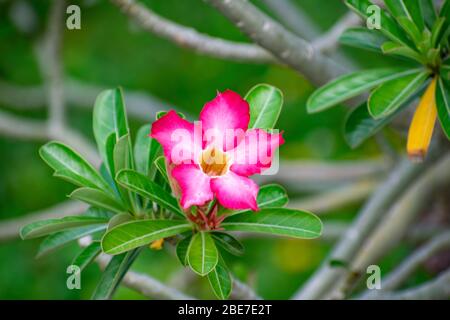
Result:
{"points": [[438, 288], [189, 38], [396, 223], [283, 44], [293, 18], [368, 217], [397, 277], [9, 229], [330, 40], [336, 198], [144, 284]]}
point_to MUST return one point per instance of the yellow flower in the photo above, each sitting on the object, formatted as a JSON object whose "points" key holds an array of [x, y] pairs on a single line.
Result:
{"points": [[157, 244], [422, 125]]}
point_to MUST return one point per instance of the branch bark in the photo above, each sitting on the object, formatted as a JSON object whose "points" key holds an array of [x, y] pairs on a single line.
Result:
{"points": [[189, 38], [397, 277], [436, 289], [368, 217], [283, 44], [9, 229]]}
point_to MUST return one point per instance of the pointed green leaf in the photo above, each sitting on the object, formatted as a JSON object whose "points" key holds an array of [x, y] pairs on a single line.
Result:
{"points": [[277, 221], [269, 196], [109, 117], [58, 240], [388, 25], [146, 150], [363, 38], [220, 280], [123, 160], [119, 219], [134, 234], [228, 242], [98, 198], [182, 249], [160, 164], [411, 29], [142, 185], [202, 253], [265, 103], [429, 12], [407, 8], [70, 166], [87, 255], [351, 85], [45, 227], [360, 125], [399, 50], [443, 105], [113, 274], [392, 94], [438, 31]]}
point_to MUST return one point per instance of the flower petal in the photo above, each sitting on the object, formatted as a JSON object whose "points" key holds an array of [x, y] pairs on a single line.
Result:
{"points": [[235, 192], [224, 119], [194, 184], [255, 152], [178, 137]]}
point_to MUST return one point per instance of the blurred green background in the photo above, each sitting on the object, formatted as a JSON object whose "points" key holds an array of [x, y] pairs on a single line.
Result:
{"points": [[110, 51]]}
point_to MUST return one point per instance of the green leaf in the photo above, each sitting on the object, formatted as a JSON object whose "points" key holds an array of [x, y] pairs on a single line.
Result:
{"points": [[146, 150], [87, 255], [140, 184], [110, 145], [443, 105], [134, 234], [228, 242], [277, 221], [428, 11], [265, 103], [109, 117], [161, 114], [113, 275], [407, 8], [70, 166], [98, 198], [388, 25], [57, 240], [269, 196], [182, 249], [392, 94], [123, 160], [399, 50], [350, 85], [118, 219], [360, 125], [160, 164], [202, 253], [363, 38], [411, 29], [220, 280], [438, 31], [45, 227]]}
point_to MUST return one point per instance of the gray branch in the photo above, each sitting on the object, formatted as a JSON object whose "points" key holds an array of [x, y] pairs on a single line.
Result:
{"points": [[140, 105], [368, 217], [329, 41], [189, 38], [283, 44], [436, 289], [9, 229], [397, 277]]}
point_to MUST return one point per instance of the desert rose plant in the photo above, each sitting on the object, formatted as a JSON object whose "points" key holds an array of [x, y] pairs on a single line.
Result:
{"points": [[182, 183], [413, 31]]}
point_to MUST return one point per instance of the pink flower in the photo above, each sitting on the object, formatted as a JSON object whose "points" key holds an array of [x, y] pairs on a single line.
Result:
{"points": [[215, 156]]}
